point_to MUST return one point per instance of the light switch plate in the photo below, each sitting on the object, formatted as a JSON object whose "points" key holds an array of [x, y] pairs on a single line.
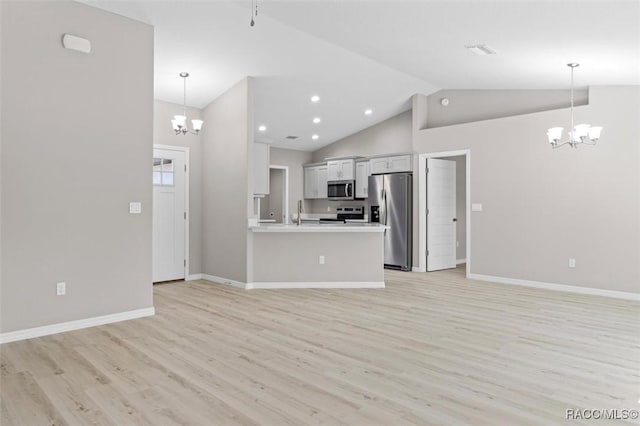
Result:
{"points": [[476, 207], [135, 207]]}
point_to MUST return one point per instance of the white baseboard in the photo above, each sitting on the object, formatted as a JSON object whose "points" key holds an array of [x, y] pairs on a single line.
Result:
{"points": [[225, 281], [459, 261], [316, 284], [193, 277], [557, 287], [417, 269], [46, 330], [293, 284]]}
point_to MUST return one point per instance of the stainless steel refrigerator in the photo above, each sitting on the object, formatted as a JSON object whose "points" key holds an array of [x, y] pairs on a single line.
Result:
{"points": [[390, 203]]}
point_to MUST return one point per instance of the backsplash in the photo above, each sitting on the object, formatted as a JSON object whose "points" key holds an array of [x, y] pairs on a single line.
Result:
{"points": [[326, 206]]}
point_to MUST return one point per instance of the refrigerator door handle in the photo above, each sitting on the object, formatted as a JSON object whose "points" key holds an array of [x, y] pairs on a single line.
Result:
{"points": [[386, 207]]}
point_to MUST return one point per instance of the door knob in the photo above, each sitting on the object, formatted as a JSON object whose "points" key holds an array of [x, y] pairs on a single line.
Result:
{"points": [[455, 219]]}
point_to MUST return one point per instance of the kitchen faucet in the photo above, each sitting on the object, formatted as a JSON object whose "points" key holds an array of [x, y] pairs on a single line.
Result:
{"points": [[299, 220]]}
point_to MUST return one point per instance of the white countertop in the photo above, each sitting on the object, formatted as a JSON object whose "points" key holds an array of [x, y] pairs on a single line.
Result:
{"points": [[317, 227]]}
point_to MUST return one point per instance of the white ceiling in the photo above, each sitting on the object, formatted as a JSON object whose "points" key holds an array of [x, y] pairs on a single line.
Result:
{"points": [[377, 54]]}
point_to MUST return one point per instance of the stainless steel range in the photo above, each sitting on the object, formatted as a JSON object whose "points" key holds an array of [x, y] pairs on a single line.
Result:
{"points": [[346, 212]]}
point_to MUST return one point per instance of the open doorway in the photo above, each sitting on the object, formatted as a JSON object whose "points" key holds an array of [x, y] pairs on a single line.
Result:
{"points": [[274, 207], [443, 208]]}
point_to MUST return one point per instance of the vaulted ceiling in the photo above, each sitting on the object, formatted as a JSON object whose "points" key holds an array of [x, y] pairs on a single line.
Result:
{"points": [[358, 55]]}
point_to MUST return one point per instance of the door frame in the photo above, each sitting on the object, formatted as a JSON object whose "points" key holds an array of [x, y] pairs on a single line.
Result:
{"points": [[285, 199], [187, 152], [422, 205]]}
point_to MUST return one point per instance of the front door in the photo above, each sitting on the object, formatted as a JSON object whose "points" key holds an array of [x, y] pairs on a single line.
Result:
{"points": [[441, 214], [169, 215]]}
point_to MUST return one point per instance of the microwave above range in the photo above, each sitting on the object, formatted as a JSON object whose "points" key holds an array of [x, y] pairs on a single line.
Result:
{"points": [[341, 190]]}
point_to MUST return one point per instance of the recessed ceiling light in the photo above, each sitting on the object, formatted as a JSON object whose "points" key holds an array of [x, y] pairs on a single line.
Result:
{"points": [[481, 49], [316, 120], [315, 98], [315, 137], [368, 111], [262, 128]]}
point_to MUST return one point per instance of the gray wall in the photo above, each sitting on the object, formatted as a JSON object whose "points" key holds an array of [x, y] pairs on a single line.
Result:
{"points": [[77, 134], [2, 38], [276, 194], [227, 182], [391, 135], [294, 159], [387, 137], [293, 257], [271, 204], [163, 134], [544, 206], [474, 105]]}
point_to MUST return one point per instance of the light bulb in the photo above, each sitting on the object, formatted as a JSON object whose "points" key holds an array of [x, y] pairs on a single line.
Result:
{"points": [[197, 125], [594, 133], [180, 120], [554, 134], [581, 130]]}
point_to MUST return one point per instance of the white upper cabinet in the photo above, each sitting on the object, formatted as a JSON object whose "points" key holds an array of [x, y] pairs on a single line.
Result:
{"points": [[261, 160], [340, 169], [362, 179], [315, 181], [391, 164], [322, 181]]}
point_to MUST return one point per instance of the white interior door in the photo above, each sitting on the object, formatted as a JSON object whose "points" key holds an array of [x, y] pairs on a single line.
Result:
{"points": [[169, 215], [441, 214]]}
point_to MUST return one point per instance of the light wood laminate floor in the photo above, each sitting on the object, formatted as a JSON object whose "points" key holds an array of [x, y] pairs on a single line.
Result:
{"points": [[429, 349]]}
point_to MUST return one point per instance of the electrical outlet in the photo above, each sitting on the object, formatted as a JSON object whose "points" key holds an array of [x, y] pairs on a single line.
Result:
{"points": [[572, 263], [328, 208], [61, 289], [321, 260]]}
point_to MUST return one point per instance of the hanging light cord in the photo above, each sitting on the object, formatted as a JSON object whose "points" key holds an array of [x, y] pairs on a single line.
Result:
{"points": [[184, 95], [572, 128], [254, 6]]}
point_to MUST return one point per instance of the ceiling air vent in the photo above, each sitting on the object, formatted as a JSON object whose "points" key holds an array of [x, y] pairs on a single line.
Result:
{"points": [[291, 137], [481, 49]]}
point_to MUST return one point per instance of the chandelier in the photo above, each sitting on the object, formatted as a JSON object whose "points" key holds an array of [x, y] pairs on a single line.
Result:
{"points": [[179, 122], [580, 134]]}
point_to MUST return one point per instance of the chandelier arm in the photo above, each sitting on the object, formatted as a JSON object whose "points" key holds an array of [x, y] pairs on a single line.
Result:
{"points": [[567, 142]]}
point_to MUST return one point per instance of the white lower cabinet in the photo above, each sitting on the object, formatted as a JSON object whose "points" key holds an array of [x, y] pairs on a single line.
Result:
{"points": [[315, 181], [362, 179]]}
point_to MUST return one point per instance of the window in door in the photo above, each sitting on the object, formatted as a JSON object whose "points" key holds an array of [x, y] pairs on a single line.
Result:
{"points": [[162, 172]]}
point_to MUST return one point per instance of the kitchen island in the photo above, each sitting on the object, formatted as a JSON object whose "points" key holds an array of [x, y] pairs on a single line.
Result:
{"points": [[341, 255]]}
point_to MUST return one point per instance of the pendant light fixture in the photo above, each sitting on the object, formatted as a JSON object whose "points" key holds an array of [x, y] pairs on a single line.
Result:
{"points": [[179, 122], [581, 134]]}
